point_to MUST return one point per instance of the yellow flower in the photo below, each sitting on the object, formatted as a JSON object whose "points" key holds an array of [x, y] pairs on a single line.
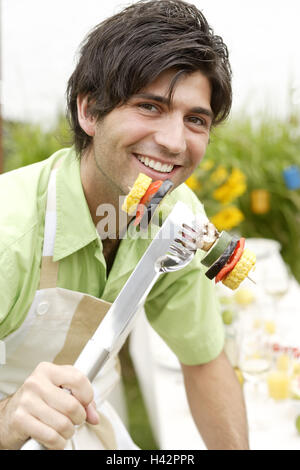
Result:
{"points": [[193, 183], [232, 188], [227, 218], [219, 175]]}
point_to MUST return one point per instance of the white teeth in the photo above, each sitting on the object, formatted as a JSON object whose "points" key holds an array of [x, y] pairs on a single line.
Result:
{"points": [[162, 167]]}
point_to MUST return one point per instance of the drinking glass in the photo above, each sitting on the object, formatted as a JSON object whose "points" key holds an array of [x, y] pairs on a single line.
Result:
{"points": [[276, 286], [255, 361], [255, 357], [276, 281]]}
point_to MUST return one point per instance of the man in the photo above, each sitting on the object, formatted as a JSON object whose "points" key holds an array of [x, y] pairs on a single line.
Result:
{"points": [[150, 83]]}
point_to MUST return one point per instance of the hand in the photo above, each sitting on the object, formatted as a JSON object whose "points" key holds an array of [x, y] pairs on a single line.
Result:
{"points": [[41, 409]]}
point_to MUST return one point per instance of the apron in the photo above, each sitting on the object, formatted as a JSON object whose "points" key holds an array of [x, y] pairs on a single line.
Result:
{"points": [[57, 327]]}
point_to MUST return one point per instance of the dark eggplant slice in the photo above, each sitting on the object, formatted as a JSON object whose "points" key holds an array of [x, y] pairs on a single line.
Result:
{"points": [[222, 260], [155, 202]]}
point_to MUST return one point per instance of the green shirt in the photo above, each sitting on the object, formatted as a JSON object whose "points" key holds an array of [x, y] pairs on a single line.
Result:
{"points": [[181, 307]]}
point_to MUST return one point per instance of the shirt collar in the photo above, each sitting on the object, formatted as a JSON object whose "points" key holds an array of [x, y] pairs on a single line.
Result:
{"points": [[75, 228]]}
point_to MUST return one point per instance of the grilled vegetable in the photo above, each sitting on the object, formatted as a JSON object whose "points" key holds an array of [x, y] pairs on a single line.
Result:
{"points": [[153, 188], [236, 255], [222, 260], [155, 202], [136, 193], [217, 249], [241, 270]]}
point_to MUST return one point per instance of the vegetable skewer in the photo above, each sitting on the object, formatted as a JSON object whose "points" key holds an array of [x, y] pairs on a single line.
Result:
{"points": [[227, 259]]}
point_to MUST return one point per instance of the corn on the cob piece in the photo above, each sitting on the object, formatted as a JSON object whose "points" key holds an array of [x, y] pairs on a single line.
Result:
{"points": [[241, 270], [138, 190]]}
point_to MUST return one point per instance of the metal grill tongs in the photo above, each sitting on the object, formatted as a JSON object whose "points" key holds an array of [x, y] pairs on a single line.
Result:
{"points": [[171, 249]]}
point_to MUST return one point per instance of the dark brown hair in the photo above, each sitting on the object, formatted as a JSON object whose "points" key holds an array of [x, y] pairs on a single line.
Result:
{"points": [[128, 51]]}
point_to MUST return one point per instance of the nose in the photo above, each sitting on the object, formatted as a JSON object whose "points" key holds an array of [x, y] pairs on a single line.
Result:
{"points": [[171, 135]]}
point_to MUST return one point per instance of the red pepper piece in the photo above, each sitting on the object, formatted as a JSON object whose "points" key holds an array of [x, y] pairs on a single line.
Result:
{"points": [[236, 255], [153, 188]]}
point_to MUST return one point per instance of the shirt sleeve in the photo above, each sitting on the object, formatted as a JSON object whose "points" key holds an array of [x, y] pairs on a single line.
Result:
{"points": [[184, 310], [8, 288]]}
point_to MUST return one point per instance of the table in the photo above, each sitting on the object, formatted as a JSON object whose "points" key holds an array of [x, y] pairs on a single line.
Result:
{"points": [[162, 386], [161, 382]]}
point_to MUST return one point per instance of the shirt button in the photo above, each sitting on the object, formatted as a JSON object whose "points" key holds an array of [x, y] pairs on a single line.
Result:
{"points": [[42, 308]]}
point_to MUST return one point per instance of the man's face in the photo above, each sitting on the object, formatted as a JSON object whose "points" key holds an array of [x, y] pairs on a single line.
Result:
{"points": [[152, 136]]}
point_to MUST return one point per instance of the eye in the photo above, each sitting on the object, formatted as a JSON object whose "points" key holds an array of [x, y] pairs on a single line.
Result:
{"points": [[198, 121], [148, 107]]}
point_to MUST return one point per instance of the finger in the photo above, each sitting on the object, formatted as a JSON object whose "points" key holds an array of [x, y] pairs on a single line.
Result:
{"points": [[66, 404], [80, 386], [71, 378], [92, 415], [42, 433], [52, 418], [41, 386]]}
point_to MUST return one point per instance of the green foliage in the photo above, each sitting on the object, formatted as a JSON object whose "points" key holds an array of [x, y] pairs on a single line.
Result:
{"points": [[262, 152], [26, 143]]}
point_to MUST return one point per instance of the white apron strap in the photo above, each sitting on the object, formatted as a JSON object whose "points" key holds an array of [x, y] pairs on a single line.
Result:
{"points": [[49, 269]]}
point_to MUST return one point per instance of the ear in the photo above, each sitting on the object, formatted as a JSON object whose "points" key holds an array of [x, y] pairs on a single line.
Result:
{"points": [[86, 120]]}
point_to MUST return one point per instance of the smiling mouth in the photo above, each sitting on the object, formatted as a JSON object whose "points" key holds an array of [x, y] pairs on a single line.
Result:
{"points": [[155, 165]]}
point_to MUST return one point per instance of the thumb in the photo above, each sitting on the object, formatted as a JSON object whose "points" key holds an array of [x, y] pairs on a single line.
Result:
{"points": [[92, 416]]}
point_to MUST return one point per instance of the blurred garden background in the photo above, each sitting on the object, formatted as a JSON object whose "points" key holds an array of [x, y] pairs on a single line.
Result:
{"points": [[249, 180]]}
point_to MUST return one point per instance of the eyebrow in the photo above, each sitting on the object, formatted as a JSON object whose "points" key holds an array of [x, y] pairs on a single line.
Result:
{"points": [[164, 100]]}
